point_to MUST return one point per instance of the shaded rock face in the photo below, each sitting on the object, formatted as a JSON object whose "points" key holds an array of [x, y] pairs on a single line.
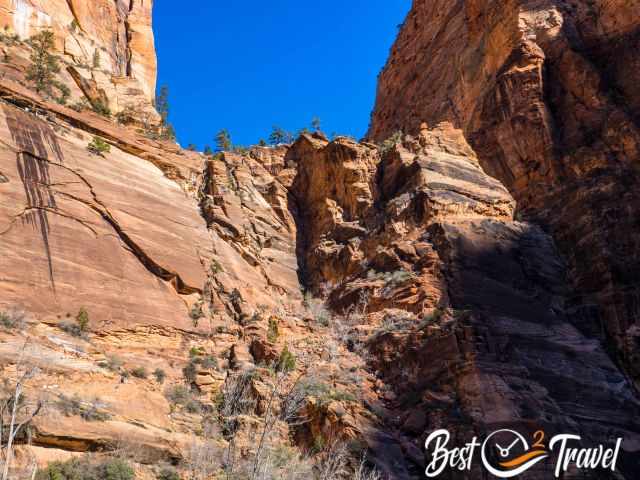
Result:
{"points": [[546, 93], [107, 46], [471, 308]]}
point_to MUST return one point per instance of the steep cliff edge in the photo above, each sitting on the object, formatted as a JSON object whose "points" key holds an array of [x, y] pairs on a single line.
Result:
{"points": [[106, 46], [546, 93]]}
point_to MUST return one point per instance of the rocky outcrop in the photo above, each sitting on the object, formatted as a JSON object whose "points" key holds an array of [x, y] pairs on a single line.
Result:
{"points": [[546, 94], [467, 311], [436, 280], [87, 231], [106, 46]]}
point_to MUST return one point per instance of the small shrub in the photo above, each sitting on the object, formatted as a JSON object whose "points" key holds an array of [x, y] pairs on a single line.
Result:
{"points": [[140, 372], [190, 372], [273, 332], [216, 267], [178, 394], [101, 108], [168, 474], [72, 329], [287, 361], [69, 406], [98, 146], [115, 469], [160, 375], [112, 363], [96, 59], [324, 393], [82, 319], [208, 362], [317, 310], [195, 351], [65, 93], [193, 406], [93, 413], [392, 141], [74, 406], [80, 105], [196, 313], [13, 319], [397, 278]]}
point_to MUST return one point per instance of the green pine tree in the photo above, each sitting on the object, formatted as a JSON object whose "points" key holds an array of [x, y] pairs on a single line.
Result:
{"points": [[223, 140], [167, 132], [44, 64], [278, 135]]}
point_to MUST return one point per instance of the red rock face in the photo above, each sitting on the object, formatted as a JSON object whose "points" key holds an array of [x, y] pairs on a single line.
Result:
{"points": [[106, 45], [547, 94], [468, 307], [418, 284]]}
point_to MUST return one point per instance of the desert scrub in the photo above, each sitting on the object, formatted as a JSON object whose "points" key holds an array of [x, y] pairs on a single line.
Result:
{"points": [[113, 363], [90, 411], [287, 361], [393, 322], [140, 372], [273, 332], [168, 473], [101, 108], [433, 317], [391, 142], [84, 469], [324, 394], [317, 310], [198, 361], [178, 394], [98, 146], [80, 327], [160, 375], [197, 312], [13, 319]]}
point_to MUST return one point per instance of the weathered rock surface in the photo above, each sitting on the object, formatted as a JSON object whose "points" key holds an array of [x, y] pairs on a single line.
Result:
{"points": [[106, 46], [474, 332], [546, 93], [75, 224], [411, 289]]}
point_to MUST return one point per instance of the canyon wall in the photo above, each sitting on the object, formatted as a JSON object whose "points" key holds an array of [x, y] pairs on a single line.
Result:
{"points": [[476, 272], [546, 93], [105, 45]]}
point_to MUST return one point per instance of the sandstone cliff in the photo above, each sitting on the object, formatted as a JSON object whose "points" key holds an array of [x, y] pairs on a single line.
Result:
{"points": [[106, 46], [436, 280], [547, 95]]}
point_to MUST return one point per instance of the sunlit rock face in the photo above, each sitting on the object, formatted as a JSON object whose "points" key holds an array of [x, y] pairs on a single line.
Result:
{"points": [[107, 43], [452, 278]]}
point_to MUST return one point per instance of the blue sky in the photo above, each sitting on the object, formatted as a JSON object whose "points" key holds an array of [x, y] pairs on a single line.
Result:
{"points": [[249, 65]]}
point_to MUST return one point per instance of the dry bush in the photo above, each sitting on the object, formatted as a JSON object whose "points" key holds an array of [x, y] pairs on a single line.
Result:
{"points": [[203, 460]]}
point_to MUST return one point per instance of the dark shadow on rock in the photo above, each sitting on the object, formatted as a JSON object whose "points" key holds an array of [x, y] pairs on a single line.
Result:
{"points": [[36, 142], [509, 357]]}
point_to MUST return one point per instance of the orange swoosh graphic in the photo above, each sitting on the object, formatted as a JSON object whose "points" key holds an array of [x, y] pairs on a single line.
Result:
{"points": [[523, 458]]}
